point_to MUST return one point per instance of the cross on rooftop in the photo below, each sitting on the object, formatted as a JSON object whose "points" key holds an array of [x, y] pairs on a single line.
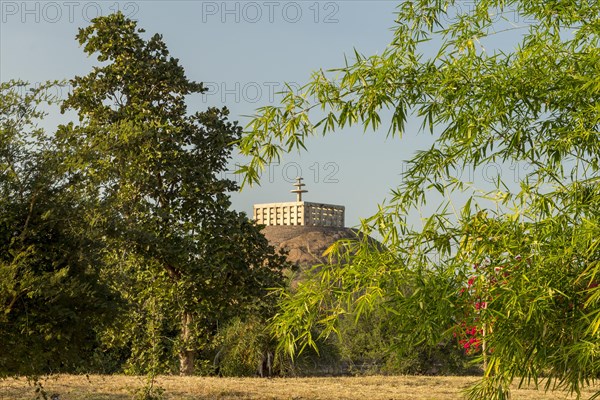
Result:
{"points": [[299, 213], [299, 189]]}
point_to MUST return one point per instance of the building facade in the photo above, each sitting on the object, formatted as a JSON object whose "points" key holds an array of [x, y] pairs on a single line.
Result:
{"points": [[299, 213]]}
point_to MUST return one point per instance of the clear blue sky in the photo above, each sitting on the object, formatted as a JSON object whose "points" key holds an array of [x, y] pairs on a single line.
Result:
{"points": [[244, 52]]}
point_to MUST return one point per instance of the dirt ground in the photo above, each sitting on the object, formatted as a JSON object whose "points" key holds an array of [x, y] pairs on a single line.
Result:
{"points": [[119, 387]]}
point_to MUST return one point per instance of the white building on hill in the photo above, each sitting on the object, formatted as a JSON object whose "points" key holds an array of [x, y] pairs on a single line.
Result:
{"points": [[299, 213]]}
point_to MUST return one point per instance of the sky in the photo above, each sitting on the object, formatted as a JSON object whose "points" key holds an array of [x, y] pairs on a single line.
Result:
{"points": [[244, 52]]}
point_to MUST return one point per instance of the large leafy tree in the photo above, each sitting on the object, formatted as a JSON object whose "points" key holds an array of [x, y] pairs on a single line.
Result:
{"points": [[532, 303], [52, 301], [184, 261]]}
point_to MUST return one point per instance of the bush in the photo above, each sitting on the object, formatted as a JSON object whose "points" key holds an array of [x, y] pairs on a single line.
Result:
{"points": [[242, 347], [367, 346], [246, 348]]}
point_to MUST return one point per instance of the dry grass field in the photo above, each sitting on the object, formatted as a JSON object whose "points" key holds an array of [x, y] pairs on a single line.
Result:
{"points": [[95, 387]]}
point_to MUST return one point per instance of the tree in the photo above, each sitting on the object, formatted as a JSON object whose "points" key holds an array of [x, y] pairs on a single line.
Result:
{"points": [[51, 299], [533, 104], [184, 261]]}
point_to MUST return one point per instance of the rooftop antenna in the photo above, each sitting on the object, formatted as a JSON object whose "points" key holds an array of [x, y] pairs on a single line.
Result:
{"points": [[299, 189]]}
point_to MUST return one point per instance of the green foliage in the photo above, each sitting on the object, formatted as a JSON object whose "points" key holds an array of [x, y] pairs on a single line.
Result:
{"points": [[242, 346], [247, 348], [51, 299], [533, 103], [367, 345], [180, 258]]}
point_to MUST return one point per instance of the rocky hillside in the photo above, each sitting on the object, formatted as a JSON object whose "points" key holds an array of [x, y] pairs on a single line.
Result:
{"points": [[305, 244]]}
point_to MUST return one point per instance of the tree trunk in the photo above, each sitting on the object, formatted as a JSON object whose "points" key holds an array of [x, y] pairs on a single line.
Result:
{"points": [[186, 356]]}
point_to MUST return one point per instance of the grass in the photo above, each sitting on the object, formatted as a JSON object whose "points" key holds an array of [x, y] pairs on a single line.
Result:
{"points": [[120, 387]]}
